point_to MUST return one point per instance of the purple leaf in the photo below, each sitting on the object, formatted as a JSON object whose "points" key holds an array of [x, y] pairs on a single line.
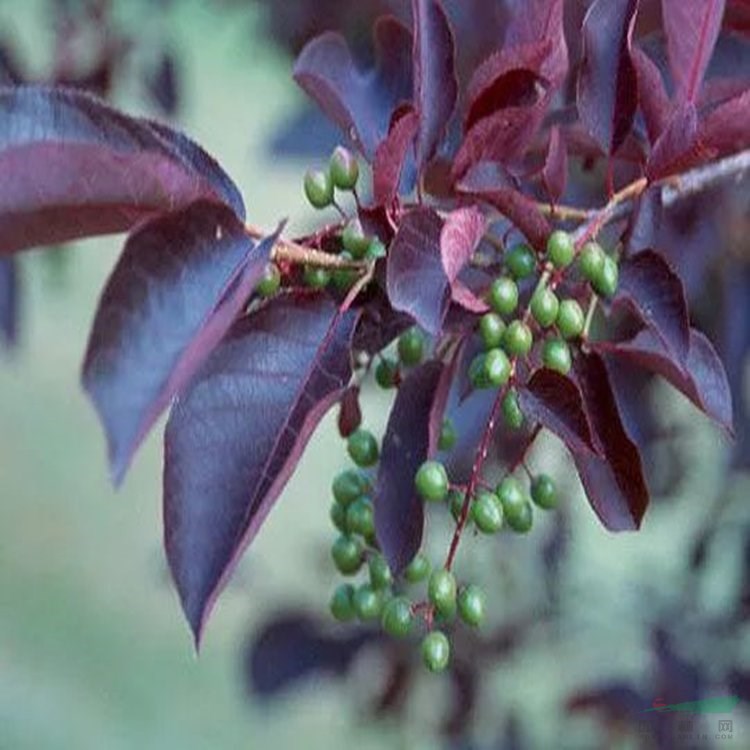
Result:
{"points": [[555, 402], [234, 437], [650, 287], [73, 167], [415, 277], [645, 221], [691, 27], [727, 129], [652, 95], [462, 231], [555, 169], [441, 398], [613, 476], [8, 301], [181, 281], [702, 377], [390, 156], [360, 103], [350, 413], [399, 512], [435, 83], [607, 92]]}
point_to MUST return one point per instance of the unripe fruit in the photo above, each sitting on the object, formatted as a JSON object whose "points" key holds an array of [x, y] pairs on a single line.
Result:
{"points": [[448, 436], [368, 603], [521, 261], [503, 295], [491, 329], [342, 603], [360, 518], [348, 486], [472, 604], [431, 481], [411, 347], [347, 554], [560, 248], [512, 413], [591, 260], [605, 282], [270, 281], [496, 368], [510, 494], [380, 573], [522, 518], [543, 492], [316, 277], [319, 188], [570, 319], [344, 278], [344, 169], [436, 651], [518, 339], [556, 356], [477, 375], [487, 512], [386, 373], [338, 516], [397, 617], [418, 569], [355, 240], [441, 591], [363, 448], [544, 307], [376, 250]]}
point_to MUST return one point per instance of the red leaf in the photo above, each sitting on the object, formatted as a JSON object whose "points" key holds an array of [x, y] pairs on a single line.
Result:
{"points": [[652, 95], [461, 233], [555, 169], [350, 413], [390, 156], [727, 129]]}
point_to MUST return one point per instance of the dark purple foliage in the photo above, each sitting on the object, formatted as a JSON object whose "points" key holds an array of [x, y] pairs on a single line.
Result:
{"points": [[461, 233], [678, 147], [350, 413], [8, 301], [645, 222], [235, 436], [652, 95], [555, 169], [391, 155], [727, 128]]}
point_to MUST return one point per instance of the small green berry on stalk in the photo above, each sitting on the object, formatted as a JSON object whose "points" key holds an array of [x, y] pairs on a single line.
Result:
{"points": [[472, 604], [342, 603], [556, 356], [270, 281], [521, 261], [347, 554], [431, 481], [591, 260], [543, 492], [517, 509], [436, 651], [512, 413], [448, 436], [343, 278], [316, 277], [441, 591], [363, 448], [319, 188], [355, 240], [338, 516], [344, 169], [368, 603], [376, 250], [418, 569], [487, 513], [605, 282], [360, 517], [491, 329], [397, 617], [386, 373], [518, 339], [544, 307], [503, 295], [522, 518], [497, 368], [570, 319], [380, 573], [348, 486], [560, 248], [411, 345]]}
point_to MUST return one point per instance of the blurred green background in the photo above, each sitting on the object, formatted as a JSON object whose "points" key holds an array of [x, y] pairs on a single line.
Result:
{"points": [[93, 649]]}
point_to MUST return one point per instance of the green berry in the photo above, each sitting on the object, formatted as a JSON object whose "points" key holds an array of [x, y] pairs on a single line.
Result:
{"points": [[397, 617], [316, 277], [436, 651], [441, 591], [270, 281], [496, 367], [522, 518], [521, 261], [472, 604], [380, 573], [342, 603], [338, 516], [376, 250], [487, 513], [431, 481], [355, 240], [491, 329], [570, 319], [344, 278], [386, 373], [556, 356], [477, 372], [512, 413], [347, 554], [591, 260], [319, 188], [360, 518], [344, 169], [516, 507], [418, 569], [560, 248], [348, 486], [363, 448], [518, 339], [605, 282], [543, 492], [544, 307], [503, 295], [411, 346], [368, 603], [448, 436]]}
